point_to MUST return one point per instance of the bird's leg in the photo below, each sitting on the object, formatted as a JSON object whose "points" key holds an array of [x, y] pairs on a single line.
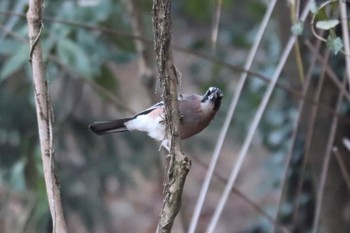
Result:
{"points": [[165, 145], [163, 120]]}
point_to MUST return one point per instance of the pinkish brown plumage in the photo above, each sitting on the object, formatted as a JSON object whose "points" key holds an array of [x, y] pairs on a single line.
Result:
{"points": [[196, 113]]}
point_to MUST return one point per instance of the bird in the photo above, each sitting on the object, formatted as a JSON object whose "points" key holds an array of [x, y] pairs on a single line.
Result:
{"points": [[195, 111]]}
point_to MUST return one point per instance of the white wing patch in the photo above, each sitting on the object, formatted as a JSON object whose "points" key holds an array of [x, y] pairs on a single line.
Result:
{"points": [[154, 127]]}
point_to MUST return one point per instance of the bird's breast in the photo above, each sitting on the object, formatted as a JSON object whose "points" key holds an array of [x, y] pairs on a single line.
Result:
{"points": [[194, 124]]}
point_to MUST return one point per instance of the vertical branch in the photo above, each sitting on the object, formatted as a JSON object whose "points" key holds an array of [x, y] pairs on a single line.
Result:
{"points": [[252, 129], [345, 29], [293, 139], [44, 115], [179, 165], [326, 161], [230, 112], [308, 143], [215, 27]]}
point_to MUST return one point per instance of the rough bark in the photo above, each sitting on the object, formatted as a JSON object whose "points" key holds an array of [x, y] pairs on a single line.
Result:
{"points": [[179, 165], [44, 115]]}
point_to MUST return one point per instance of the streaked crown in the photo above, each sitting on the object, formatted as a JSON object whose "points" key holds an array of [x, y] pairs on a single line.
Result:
{"points": [[214, 95]]}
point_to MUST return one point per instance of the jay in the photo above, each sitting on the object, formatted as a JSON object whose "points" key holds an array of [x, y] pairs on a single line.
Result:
{"points": [[196, 112]]}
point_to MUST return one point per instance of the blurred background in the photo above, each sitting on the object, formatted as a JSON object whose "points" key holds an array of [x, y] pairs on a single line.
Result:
{"points": [[100, 65]]}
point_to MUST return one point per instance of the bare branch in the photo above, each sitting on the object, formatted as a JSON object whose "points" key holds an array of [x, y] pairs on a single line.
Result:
{"points": [[344, 24], [215, 27], [294, 137], [342, 165], [310, 133], [325, 166], [331, 74], [179, 165], [243, 196], [44, 115], [252, 129], [235, 68], [230, 112]]}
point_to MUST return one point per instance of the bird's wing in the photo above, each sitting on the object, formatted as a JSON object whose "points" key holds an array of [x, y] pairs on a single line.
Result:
{"points": [[150, 109]]}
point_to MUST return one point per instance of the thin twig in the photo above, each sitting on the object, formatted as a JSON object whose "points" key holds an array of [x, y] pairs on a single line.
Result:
{"points": [[346, 143], [325, 166], [215, 28], [174, 46], [243, 152], [320, 192], [329, 71], [293, 138], [294, 13], [343, 169], [245, 198], [229, 115], [345, 33], [13, 34], [313, 20], [211, 58], [11, 22], [111, 97], [295, 93], [308, 143]]}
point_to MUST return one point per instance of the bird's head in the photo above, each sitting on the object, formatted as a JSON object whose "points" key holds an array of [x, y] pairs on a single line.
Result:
{"points": [[214, 95]]}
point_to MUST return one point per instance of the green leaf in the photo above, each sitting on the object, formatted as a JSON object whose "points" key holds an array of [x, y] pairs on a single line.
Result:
{"points": [[321, 14], [16, 61], [74, 56], [106, 79], [297, 28], [327, 24], [334, 44], [200, 10]]}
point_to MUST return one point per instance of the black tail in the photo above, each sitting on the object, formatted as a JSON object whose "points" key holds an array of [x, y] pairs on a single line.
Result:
{"points": [[106, 127]]}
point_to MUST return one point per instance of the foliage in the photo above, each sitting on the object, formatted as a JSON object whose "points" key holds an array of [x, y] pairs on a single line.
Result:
{"points": [[79, 53], [72, 55], [325, 17]]}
